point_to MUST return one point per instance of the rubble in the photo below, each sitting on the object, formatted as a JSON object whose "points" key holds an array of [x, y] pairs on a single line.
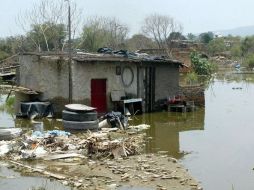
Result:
{"points": [[56, 144], [106, 159]]}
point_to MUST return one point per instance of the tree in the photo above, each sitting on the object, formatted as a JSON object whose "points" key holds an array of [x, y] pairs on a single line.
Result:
{"points": [[159, 28], [139, 41], [200, 65], [43, 18], [236, 50], [102, 31], [176, 36], [9, 46], [216, 45], [55, 36], [191, 36], [248, 45], [206, 37], [249, 61]]}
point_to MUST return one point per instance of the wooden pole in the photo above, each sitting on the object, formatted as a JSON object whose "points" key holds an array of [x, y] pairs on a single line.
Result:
{"points": [[70, 59]]}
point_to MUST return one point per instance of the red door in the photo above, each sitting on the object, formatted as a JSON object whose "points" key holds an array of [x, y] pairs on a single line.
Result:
{"points": [[98, 95]]}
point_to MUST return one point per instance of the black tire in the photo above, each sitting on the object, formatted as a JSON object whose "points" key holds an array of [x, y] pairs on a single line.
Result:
{"points": [[85, 125], [79, 116]]}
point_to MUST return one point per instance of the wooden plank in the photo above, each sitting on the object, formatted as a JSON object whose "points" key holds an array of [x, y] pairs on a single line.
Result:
{"points": [[63, 156], [49, 174]]}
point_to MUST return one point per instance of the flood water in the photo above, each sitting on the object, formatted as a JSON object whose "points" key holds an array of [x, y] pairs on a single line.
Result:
{"points": [[216, 143]]}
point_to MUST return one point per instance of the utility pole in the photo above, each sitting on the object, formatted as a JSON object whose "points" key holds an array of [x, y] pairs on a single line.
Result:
{"points": [[69, 52]]}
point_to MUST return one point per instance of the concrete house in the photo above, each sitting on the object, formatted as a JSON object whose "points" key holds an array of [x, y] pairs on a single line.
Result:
{"points": [[102, 81]]}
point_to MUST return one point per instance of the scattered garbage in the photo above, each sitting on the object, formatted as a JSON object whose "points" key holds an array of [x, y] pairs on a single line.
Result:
{"points": [[58, 144], [38, 126], [138, 128], [130, 55], [114, 120], [101, 145], [5, 147], [55, 133], [93, 151], [9, 133]]}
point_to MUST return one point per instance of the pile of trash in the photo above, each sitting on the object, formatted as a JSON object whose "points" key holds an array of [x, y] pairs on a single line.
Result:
{"points": [[130, 55], [101, 145], [57, 144]]}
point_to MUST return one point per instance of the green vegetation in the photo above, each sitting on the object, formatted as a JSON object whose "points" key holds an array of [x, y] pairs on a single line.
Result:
{"points": [[191, 78], [45, 29], [10, 102], [216, 46], [47, 36], [9, 105], [249, 61], [103, 32], [206, 37], [201, 66], [236, 51]]}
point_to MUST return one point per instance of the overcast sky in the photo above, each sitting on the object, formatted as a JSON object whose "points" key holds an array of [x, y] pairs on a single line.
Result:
{"points": [[195, 15]]}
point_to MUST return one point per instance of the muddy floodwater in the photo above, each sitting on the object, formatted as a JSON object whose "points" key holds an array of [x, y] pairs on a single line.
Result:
{"points": [[215, 143], [10, 180]]}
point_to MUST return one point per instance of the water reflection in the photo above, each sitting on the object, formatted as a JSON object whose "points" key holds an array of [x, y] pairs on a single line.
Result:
{"points": [[6, 113], [48, 124], [223, 153], [166, 128]]}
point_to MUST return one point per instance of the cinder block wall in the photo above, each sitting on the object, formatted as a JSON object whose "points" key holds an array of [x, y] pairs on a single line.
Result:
{"points": [[166, 81], [48, 75]]}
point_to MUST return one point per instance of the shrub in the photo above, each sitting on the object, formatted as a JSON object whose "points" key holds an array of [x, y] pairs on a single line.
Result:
{"points": [[191, 78], [201, 66]]}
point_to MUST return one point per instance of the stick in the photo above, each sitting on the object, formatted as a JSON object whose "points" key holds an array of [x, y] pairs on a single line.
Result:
{"points": [[56, 176]]}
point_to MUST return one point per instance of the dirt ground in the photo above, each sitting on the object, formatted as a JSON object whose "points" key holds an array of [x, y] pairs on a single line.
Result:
{"points": [[148, 171]]}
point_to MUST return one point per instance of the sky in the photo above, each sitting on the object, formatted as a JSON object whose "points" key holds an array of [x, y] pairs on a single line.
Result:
{"points": [[196, 16]]}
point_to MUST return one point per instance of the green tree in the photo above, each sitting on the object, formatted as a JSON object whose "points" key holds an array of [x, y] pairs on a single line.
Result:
{"points": [[191, 36], [200, 65], [216, 45], [206, 37], [176, 36], [236, 50], [101, 31], [45, 24], [9, 46], [47, 36], [249, 61], [139, 41], [247, 45], [3, 55]]}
